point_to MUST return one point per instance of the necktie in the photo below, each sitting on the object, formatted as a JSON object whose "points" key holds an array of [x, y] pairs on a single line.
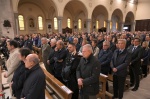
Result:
{"points": [[133, 49]]}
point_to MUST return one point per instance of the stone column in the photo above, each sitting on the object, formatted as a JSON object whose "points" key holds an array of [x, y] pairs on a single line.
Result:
{"points": [[16, 29], [88, 22], [59, 20], [108, 26], [133, 26], [7, 14], [122, 25]]}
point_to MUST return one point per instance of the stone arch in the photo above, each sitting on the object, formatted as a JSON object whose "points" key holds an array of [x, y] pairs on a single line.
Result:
{"points": [[129, 21], [76, 9], [101, 14], [117, 18]]}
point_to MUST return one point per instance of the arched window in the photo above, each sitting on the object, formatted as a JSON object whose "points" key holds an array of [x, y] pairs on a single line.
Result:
{"points": [[104, 23], [21, 22], [110, 25], [40, 22], [55, 23], [116, 25], [79, 24], [97, 24], [68, 23]]}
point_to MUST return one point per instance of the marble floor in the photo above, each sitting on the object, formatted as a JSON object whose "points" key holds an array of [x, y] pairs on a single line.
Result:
{"points": [[142, 93]]}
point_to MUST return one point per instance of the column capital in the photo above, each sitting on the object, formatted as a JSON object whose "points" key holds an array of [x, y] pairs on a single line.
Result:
{"points": [[59, 18], [108, 21], [16, 15], [88, 20]]}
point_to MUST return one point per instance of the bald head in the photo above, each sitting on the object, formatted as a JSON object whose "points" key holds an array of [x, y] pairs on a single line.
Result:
{"points": [[31, 61]]}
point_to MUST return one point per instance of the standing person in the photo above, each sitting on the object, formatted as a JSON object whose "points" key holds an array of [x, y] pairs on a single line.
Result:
{"points": [[120, 61], [27, 42], [45, 52], [88, 73], [72, 62], [13, 60], [104, 58], [20, 74], [136, 54], [34, 85], [76, 42], [59, 57], [50, 60]]}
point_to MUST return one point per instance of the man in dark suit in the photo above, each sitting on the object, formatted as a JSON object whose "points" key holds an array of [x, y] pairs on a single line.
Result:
{"points": [[72, 62], [50, 60], [120, 61], [136, 54], [88, 73], [28, 43], [34, 86], [45, 52], [104, 58], [59, 57]]}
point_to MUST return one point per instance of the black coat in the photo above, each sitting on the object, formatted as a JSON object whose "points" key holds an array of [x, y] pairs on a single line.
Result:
{"points": [[121, 61], [112, 46], [18, 80], [28, 44], [89, 71], [78, 47], [104, 58], [59, 55], [34, 86], [136, 56], [73, 61], [100, 44]]}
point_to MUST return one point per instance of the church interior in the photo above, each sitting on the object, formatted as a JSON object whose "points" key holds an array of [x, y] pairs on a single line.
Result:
{"points": [[26, 17]]}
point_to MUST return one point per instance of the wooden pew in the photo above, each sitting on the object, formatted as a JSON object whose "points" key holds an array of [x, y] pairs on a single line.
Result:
{"points": [[103, 93], [57, 87]]}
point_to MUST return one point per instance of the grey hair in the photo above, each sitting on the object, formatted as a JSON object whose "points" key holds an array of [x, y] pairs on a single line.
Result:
{"points": [[123, 40], [89, 47], [44, 38], [107, 42]]}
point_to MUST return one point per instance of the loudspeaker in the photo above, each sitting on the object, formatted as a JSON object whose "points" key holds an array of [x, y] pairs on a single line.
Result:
{"points": [[49, 26], [7, 23]]}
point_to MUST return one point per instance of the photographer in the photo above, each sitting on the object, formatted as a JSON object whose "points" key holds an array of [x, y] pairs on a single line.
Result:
{"points": [[69, 71]]}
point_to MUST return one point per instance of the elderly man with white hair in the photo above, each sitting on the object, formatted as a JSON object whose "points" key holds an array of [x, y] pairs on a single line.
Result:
{"points": [[50, 60], [45, 52], [88, 73]]}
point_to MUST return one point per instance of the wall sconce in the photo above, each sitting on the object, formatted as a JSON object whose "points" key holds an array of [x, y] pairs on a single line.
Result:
{"points": [[7, 25]]}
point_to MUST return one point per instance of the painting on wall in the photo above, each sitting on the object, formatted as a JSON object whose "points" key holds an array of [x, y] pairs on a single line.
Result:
{"points": [[31, 23]]}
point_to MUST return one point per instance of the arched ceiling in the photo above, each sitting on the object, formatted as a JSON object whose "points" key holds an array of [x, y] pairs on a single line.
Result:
{"points": [[75, 8], [118, 13], [100, 10], [48, 7], [129, 17]]}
